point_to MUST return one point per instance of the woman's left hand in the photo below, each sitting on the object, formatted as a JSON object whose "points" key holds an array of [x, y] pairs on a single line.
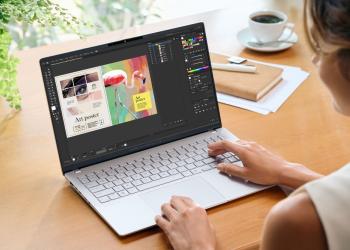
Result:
{"points": [[186, 225]]}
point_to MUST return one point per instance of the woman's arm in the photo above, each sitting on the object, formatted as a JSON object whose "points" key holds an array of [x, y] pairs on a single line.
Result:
{"points": [[187, 226], [293, 224], [261, 166]]}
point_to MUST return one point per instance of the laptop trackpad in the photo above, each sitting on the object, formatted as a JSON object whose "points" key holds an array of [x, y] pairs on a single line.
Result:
{"points": [[196, 188]]}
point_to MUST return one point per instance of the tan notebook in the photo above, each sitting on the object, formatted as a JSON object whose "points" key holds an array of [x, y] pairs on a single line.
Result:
{"points": [[251, 86]]}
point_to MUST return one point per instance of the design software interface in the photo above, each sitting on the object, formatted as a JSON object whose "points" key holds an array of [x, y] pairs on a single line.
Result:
{"points": [[112, 99]]}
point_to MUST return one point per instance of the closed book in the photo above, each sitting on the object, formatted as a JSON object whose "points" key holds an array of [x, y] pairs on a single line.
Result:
{"points": [[251, 86]]}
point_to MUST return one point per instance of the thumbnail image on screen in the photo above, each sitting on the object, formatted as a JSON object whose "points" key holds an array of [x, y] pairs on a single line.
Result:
{"points": [[106, 95], [129, 90]]}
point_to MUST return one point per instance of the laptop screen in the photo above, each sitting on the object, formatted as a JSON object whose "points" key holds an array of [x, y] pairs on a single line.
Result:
{"points": [[122, 97]]}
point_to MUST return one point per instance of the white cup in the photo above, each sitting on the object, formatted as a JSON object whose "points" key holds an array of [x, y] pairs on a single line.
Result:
{"points": [[269, 32]]}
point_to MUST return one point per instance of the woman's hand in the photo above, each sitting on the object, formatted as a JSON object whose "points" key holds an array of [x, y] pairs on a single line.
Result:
{"points": [[261, 166], [186, 225]]}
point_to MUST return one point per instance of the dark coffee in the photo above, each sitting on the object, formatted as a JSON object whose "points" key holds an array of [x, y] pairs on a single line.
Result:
{"points": [[267, 19]]}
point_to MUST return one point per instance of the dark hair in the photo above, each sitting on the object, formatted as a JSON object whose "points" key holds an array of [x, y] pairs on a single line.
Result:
{"points": [[331, 27]]}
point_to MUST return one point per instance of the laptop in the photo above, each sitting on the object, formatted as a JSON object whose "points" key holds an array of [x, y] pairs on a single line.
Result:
{"points": [[132, 120]]}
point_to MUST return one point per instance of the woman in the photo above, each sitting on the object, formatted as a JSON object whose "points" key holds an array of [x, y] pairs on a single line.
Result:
{"points": [[317, 213]]}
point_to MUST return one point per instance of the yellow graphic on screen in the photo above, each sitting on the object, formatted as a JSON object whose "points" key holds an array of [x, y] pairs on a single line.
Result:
{"points": [[142, 101]]}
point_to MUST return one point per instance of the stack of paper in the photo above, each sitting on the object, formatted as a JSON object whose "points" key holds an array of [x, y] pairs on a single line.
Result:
{"points": [[292, 78]]}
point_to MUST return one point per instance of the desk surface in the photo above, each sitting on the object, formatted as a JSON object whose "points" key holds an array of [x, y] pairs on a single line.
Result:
{"points": [[38, 209]]}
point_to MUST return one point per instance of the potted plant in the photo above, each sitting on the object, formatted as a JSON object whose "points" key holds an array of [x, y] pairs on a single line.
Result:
{"points": [[42, 12]]}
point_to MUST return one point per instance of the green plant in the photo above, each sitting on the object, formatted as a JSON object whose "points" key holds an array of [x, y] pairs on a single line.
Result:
{"points": [[42, 12]]}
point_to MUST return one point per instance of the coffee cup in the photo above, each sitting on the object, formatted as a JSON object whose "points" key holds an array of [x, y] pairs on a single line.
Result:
{"points": [[269, 25]]}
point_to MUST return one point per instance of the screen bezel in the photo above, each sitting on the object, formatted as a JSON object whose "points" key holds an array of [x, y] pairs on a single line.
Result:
{"points": [[154, 143]]}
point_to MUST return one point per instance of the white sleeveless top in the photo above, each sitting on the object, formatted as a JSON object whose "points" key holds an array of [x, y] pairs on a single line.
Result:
{"points": [[331, 197]]}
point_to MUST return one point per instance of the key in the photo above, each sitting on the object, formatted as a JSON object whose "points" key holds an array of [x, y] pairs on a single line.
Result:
{"points": [[109, 185], [127, 185], [163, 168], [164, 156], [227, 154], [129, 173], [209, 160], [189, 160], [181, 169], [118, 182], [199, 151], [199, 163], [93, 178], [113, 196], [136, 176], [163, 174], [172, 166], [198, 157], [121, 170], [83, 180], [196, 171], [159, 182], [154, 171], [139, 164], [187, 173], [120, 176], [118, 188], [91, 184], [205, 168], [97, 188], [132, 190], [147, 162], [156, 165], [138, 170], [123, 193], [146, 174], [127, 179], [136, 182], [181, 163], [172, 172], [130, 167], [148, 168], [182, 157], [111, 178], [190, 166], [110, 172], [101, 181], [104, 192], [103, 199], [102, 175], [145, 180], [165, 162], [155, 177], [174, 159], [191, 154]]}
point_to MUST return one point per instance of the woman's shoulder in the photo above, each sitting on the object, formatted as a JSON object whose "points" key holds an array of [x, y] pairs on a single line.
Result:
{"points": [[331, 198]]}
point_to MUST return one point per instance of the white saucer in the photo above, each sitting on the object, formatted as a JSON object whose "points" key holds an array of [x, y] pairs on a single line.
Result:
{"points": [[245, 36]]}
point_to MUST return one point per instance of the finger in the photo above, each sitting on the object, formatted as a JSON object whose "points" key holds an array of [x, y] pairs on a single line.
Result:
{"points": [[232, 169], [162, 223], [227, 146], [188, 201], [169, 212], [216, 152], [178, 204]]}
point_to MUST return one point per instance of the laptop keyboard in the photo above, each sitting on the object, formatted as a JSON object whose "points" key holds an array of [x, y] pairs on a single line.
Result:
{"points": [[130, 177]]}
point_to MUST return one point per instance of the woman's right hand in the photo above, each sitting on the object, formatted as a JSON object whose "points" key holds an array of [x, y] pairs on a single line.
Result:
{"points": [[260, 165]]}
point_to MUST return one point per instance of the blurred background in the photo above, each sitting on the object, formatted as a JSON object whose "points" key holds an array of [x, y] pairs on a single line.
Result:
{"points": [[106, 15]]}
